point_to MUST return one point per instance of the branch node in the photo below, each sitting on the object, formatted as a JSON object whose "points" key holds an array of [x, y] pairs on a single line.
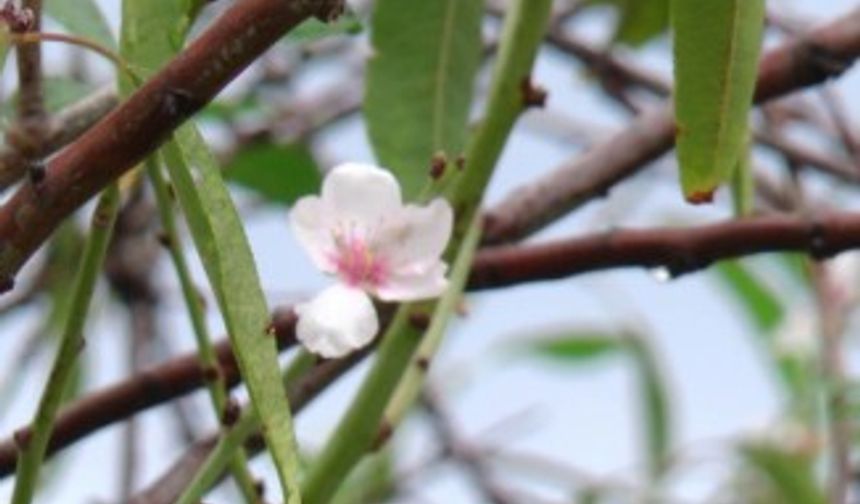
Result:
{"points": [[232, 410], [533, 95], [22, 438], [419, 320], [329, 10], [818, 244], [437, 165], [382, 435]]}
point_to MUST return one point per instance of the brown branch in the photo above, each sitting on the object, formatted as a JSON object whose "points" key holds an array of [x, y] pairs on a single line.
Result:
{"points": [[677, 250], [31, 100], [168, 488], [61, 129], [142, 123], [824, 53], [156, 385]]}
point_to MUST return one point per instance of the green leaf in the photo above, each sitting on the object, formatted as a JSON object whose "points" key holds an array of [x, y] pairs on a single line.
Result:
{"points": [[59, 92], [141, 19], [639, 20], [313, 29], [743, 185], [763, 307], [716, 47], [279, 173], [576, 346], [789, 476], [217, 232], [83, 18], [420, 82], [372, 481], [219, 237], [654, 405]]}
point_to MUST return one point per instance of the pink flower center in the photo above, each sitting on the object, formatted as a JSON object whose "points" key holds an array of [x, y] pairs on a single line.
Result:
{"points": [[356, 263]]}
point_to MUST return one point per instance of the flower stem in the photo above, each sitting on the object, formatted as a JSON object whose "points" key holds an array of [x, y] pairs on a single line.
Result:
{"points": [[208, 358], [33, 440], [360, 427], [412, 382], [232, 440], [522, 34]]}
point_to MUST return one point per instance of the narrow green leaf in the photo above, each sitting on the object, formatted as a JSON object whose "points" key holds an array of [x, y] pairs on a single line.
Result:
{"points": [[639, 21], [58, 91], [279, 173], [576, 346], [217, 232], [420, 82], [83, 18], [372, 481], [716, 47], [743, 185], [219, 237], [763, 307], [141, 19], [790, 476], [654, 406]]}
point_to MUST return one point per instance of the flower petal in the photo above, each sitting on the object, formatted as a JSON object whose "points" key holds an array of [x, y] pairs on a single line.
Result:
{"points": [[312, 225], [418, 235], [337, 321], [361, 194], [413, 284]]}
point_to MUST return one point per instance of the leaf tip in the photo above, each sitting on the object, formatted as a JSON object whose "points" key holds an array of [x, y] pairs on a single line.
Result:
{"points": [[701, 197]]}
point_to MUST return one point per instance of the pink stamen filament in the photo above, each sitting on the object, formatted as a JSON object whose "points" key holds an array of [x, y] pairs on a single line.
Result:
{"points": [[356, 263]]}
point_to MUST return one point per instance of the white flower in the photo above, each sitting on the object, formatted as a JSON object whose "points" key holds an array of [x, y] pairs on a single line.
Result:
{"points": [[360, 230]]}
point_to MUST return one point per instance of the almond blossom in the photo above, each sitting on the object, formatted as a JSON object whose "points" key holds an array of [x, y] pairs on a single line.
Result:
{"points": [[359, 230]]}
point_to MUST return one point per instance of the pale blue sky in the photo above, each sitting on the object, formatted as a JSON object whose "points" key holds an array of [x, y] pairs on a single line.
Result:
{"points": [[587, 418]]}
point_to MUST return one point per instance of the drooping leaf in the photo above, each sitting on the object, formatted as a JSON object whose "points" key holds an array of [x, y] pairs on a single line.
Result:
{"points": [[763, 307], [788, 476], [372, 481], [716, 48], [419, 83], [59, 92], [218, 234], [743, 185], [83, 18], [576, 346], [654, 405], [220, 240], [639, 20], [279, 173]]}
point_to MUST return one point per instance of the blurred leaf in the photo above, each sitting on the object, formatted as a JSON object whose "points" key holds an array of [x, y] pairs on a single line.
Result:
{"points": [[589, 495], [420, 82], [764, 309], [716, 47], [371, 481], [576, 346], [654, 405], [228, 109], [218, 234], [219, 237], [639, 20], [313, 29], [789, 476], [141, 19], [743, 185], [279, 173], [82, 18], [59, 92]]}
